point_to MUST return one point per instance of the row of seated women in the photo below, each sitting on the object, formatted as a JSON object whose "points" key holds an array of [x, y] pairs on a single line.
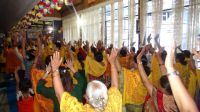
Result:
{"points": [[77, 77]]}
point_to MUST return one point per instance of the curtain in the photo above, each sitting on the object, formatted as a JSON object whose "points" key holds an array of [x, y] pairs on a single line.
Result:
{"points": [[193, 26], [112, 20], [70, 29], [157, 16], [91, 25], [120, 22], [131, 20], [178, 21], [142, 18]]}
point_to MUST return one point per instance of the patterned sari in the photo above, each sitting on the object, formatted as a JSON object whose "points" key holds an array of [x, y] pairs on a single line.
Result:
{"points": [[160, 102]]}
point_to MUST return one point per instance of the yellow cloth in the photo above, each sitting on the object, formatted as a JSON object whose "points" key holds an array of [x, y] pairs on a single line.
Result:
{"points": [[95, 68], [184, 73], [2, 58], [155, 73], [41, 104], [48, 50], [192, 84], [71, 104], [198, 76], [62, 52], [134, 90]]}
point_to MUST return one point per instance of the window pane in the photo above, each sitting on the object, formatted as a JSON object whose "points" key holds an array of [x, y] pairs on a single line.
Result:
{"points": [[125, 12], [167, 4], [125, 2], [108, 8], [149, 6]]}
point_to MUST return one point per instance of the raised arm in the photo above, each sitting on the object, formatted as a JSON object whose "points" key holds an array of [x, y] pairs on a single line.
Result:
{"points": [[161, 63], [69, 64], [143, 74], [183, 99], [23, 44], [39, 52], [114, 74], [56, 61], [157, 42], [17, 78]]}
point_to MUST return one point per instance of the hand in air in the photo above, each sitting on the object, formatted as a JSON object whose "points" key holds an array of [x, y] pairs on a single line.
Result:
{"points": [[56, 61]]}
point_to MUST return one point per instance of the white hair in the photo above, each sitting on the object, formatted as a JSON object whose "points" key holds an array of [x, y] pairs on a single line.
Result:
{"points": [[97, 95]]}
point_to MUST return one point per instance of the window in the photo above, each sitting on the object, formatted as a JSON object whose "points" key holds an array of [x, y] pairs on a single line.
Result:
{"points": [[125, 29], [167, 25]]}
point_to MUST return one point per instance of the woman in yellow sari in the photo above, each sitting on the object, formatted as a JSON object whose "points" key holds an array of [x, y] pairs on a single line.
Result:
{"points": [[182, 67], [96, 93]]}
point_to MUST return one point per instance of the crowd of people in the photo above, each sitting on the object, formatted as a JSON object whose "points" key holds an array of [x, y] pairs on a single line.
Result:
{"points": [[60, 76]]}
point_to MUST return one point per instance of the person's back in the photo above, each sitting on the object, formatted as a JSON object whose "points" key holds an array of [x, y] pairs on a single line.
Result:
{"points": [[25, 96], [11, 60]]}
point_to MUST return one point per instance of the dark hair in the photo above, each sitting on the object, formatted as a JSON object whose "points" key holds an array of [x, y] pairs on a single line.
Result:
{"points": [[98, 56], [163, 55], [48, 59], [187, 53], [93, 49], [123, 52], [73, 48], [65, 78], [30, 56], [147, 70], [21, 74], [133, 49], [58, 45], [164, 82], [80, 59], [24, 85], [181, 58]]}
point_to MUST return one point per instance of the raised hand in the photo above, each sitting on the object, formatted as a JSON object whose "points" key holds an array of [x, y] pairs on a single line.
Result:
{"points": [[132, 44], [69, 64], [48, 68], [56, 61], [149, 38], [112, 57], [170, 49], [141, 53]]}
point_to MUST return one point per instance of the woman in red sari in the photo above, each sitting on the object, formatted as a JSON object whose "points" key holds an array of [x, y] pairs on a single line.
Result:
{"points": [[159, 99]]}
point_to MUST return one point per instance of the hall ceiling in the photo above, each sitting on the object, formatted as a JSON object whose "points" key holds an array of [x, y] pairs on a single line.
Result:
{"points": [[11, 11]]}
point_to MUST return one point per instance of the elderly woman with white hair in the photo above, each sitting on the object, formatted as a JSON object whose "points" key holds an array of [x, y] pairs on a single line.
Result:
{"points": [[98, 97]]}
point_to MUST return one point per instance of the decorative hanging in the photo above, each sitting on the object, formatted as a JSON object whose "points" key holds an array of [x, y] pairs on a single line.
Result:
{"points": [[43, 8]]}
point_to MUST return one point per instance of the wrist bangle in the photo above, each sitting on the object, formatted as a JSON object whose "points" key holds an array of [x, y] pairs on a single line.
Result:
{"points": [[140, 63], [174, 73], [56, 71]]}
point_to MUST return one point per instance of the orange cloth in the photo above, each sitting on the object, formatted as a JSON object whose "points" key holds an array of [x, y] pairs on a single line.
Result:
{"points": [[11, 60], [124, 61], [41, 104]]}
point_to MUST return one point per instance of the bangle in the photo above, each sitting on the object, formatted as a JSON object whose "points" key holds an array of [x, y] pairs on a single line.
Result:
{"points": [[56, 71], [174, 73], [139, 63]]}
